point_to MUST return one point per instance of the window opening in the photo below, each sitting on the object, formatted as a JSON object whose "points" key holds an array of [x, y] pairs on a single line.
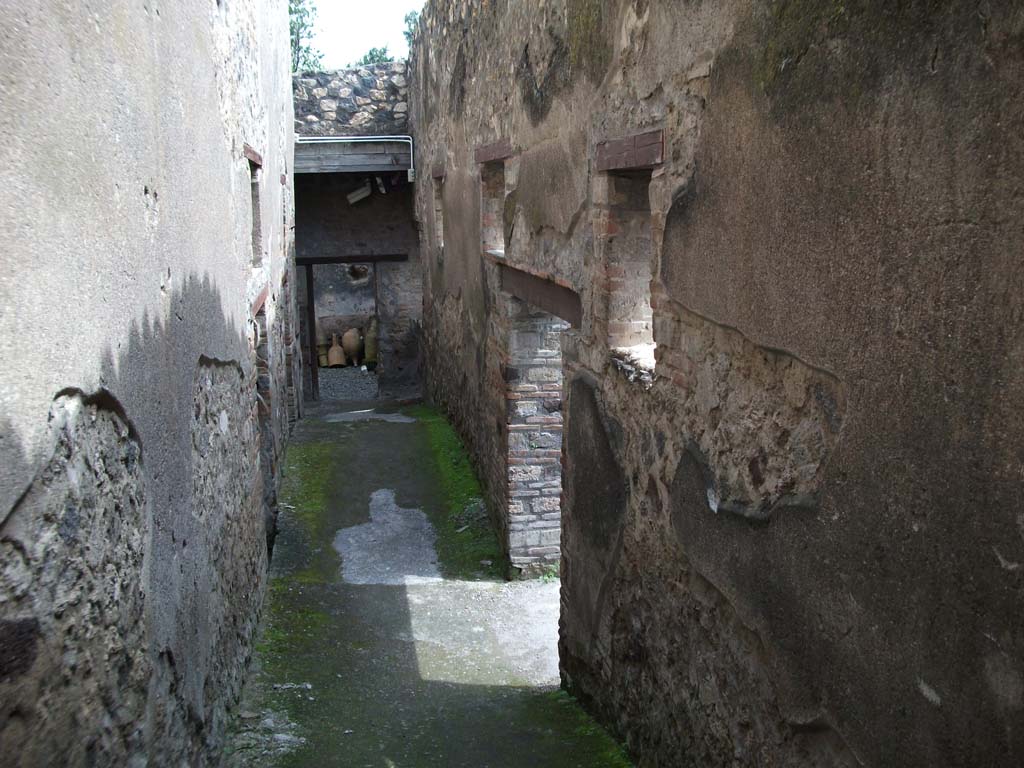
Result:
{"points": [[257, 216], [439, 213], [628, 255], [492, 206]]}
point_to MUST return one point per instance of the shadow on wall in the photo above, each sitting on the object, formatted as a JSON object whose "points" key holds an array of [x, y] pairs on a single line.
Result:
{"points": [[135, 542]]}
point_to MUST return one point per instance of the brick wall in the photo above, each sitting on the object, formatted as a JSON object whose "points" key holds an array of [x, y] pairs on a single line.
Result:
{"points": [[534, 390]]}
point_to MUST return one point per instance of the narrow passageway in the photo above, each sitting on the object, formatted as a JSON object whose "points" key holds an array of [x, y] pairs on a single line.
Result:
{"points": [[390, 637]]}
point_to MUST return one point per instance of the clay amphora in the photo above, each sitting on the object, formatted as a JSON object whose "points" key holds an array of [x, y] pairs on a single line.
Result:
{"points": [[352, 343], [335, 355]]}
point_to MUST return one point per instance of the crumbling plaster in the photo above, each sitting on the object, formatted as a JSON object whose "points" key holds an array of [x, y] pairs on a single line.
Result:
{"points": [[128, 270], [816, 559]]}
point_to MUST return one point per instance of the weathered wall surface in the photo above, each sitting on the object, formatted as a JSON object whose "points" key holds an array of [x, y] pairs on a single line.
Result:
{"points": [[365, 101], [801, 544], [327, 226], [345, 296], [147, 330]]}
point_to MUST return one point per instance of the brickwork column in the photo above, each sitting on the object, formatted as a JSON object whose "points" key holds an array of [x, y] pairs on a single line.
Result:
{"points": [[534, 396]]}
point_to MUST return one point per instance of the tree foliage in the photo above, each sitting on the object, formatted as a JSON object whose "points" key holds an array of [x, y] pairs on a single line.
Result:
{"points": [[375, 56], [411, 19], [301, 16]]}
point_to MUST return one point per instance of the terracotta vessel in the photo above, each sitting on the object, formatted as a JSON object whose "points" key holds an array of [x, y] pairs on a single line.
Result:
{"points": [[352, 343], [335, 355]]}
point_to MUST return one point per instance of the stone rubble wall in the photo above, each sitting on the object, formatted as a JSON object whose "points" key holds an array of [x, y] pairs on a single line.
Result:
{"points": [[149, 319], [71, 580], [795, 542], [361, 101]]}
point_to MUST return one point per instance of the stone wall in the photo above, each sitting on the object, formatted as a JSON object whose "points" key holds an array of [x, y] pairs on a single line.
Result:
{"points": [[148, 327], [791, 537], [361, 101], [345, 296]]}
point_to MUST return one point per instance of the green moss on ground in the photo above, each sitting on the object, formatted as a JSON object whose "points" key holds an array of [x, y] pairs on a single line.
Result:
{"points": [[560, 711], [290, 625], [465, 538], [307, 482]]}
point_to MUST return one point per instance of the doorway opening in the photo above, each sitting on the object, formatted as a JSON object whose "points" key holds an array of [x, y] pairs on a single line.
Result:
{"points": [[341, 304]]}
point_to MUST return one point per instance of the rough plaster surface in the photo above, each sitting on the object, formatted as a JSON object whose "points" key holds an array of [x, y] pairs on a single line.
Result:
{"points": [[133, 279], [72, 606], [225, 493], [815, 562]]}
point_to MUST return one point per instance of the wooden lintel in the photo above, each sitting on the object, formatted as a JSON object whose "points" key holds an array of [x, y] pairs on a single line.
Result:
{"points": [[363, 157], [252, 155], [257, 305], [641, 151], [544, 294], [353, 164], [437, 172], [364, 258], [499, 150]]}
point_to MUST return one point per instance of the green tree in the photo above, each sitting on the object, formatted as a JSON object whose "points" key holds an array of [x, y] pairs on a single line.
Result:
{"points": [[411, 19], [375, 56], [301, 15]]}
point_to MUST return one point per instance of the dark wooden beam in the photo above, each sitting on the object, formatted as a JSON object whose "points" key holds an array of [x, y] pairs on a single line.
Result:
{"points": [[544, 294], [252, 155], [260, 300], [499, 150], [641, 151], [363, 157], [314, 360], [364, 258]]}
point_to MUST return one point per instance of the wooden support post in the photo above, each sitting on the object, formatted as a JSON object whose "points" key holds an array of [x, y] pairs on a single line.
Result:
{"points": [[314, 361]]}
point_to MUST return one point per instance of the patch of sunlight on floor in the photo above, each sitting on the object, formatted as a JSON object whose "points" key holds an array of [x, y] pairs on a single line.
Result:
{"points": [[486, 633], [465, 632]]}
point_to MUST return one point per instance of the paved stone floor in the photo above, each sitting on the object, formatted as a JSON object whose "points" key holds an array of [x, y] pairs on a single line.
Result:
{"points": [[389, 638]]}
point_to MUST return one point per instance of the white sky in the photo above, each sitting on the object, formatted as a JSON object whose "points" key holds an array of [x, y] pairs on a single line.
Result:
{"points": [[346, 29]]}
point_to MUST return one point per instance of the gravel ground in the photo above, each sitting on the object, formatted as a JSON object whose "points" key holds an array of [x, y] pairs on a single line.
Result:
{"points": [[347, 384]]}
